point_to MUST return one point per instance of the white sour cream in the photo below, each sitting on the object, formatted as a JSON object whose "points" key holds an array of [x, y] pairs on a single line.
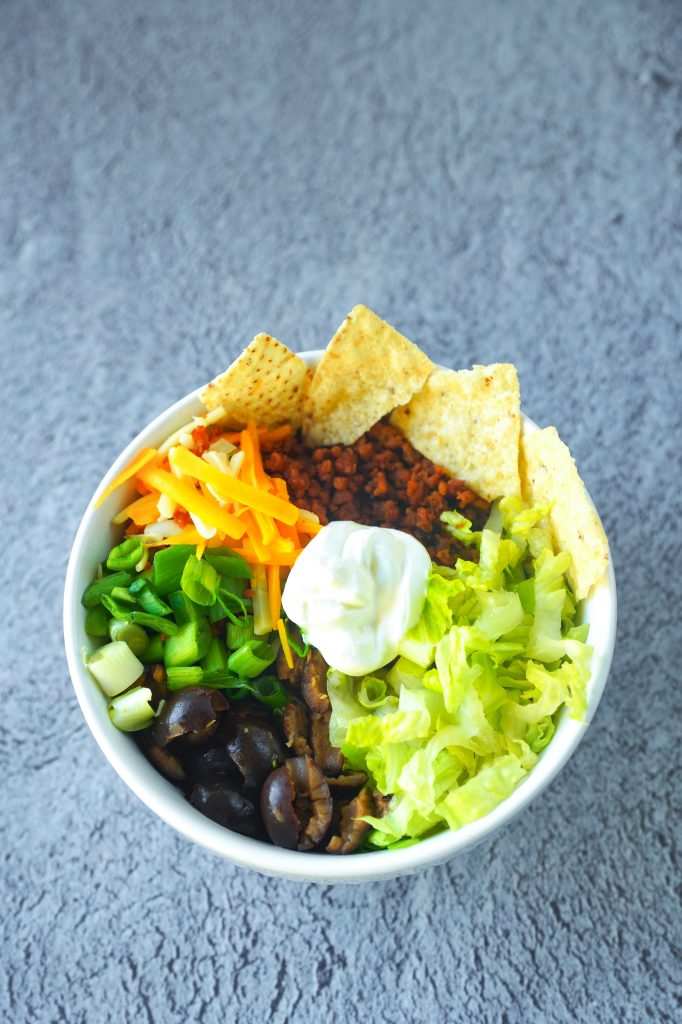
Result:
{"points": [[355, 591]]}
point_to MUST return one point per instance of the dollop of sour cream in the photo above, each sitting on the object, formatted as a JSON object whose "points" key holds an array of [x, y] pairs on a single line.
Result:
{"points": [[355, 591]]}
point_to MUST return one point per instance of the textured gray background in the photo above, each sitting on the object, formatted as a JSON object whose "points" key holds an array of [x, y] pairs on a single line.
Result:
{"points": [[502, 181]]}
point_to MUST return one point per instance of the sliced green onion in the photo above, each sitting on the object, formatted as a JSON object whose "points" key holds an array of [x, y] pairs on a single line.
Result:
{"points": [[168, 567], [183, 609], [228, 563], [199, 581], [189, 644], [269, 691], [153, 654], [154, 622], [118, 609], [301, 648], [237, 688], [97, 622], [133, 635], [104, 585], [115, 667], [240, 633], [123, 596], [148, 599], [232, 585], [181, 676], [127, 554], [227, 606], [132, 711], [251, 659], [262, 622], [215, 659]]}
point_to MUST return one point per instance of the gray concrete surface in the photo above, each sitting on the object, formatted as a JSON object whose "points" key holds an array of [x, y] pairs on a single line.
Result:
{"points": [[500, 180]]}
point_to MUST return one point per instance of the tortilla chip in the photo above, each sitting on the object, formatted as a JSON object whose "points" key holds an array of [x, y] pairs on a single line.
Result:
{"points": [[367, 370], [550, 474], [267, 383], [468, 421]]}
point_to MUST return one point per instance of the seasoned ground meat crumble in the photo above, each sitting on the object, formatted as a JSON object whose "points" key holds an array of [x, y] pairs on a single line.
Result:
{"points": [[381, 480]]}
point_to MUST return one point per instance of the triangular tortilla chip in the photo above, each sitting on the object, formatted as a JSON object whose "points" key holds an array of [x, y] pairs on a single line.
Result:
{"points": [[550, 475], [468, 421], [367, 370], [267, 383]]}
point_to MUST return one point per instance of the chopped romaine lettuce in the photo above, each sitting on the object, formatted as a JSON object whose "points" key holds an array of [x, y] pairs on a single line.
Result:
{"points": [[455, 724]]}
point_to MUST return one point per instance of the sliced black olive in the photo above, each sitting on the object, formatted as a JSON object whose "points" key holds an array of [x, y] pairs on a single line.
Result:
{"points": [[254, 745], [191, 715], [296, 805], [381, 804], [292, 676], [329, 758], [162, 759], [212, 760], [218, 801], [314, 683], [296, 728], [347, 784], [351, 830]]}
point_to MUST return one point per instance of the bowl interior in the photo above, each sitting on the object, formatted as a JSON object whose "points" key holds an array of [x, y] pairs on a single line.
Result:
{"points": [[95, 537]]}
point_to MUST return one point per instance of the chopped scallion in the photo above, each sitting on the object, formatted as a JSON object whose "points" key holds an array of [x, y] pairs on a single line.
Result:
{"points": [[153, 654], [133, 635], [148, 599], [126, 555], [232, 585], [269, 691], [199, 581], [97, 622], [262, 620], [154, 622], [123, 596], [236, 687], [227, 606], [251, 659], [189, 644], [104, 585], [132, 711], [239, 633], [115, 667], [179, 677], [301, 648], [215, 659], [118, 609], [228, 563], [183, 609], [168, 567]]}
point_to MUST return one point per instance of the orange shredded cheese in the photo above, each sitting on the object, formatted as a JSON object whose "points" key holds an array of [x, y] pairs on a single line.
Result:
{"points": [[281, 489], [308, 526], [142, 511], [131, 470], [255, 537], [260, 477], [272, 434], [182, 492], [232, 489], [188, 536], [281, 558], [285, 643]]}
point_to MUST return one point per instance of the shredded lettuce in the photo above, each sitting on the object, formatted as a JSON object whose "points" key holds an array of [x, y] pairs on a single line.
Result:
{"points": [[459, 719]]}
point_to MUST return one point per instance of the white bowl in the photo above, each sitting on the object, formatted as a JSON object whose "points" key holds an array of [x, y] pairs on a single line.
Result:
{"points": [[95, 537]]}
